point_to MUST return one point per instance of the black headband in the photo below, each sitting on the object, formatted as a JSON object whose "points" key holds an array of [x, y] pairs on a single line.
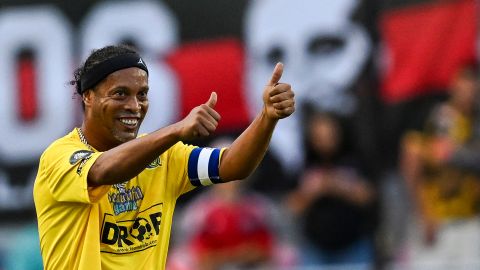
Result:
{"points": [[102, 70]]}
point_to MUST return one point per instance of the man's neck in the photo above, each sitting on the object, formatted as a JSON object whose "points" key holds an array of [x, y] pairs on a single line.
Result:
{"points": [[96, 141]]}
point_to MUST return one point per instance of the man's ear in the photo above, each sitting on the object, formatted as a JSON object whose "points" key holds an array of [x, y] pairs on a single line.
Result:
{"points": [[87, 97]]}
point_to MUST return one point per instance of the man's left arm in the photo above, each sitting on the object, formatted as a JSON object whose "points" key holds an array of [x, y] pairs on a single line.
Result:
{"points": [[247, 151]]}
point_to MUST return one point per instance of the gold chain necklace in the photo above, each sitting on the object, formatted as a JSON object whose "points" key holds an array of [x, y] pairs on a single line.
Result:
{"points": [[83, 139]]}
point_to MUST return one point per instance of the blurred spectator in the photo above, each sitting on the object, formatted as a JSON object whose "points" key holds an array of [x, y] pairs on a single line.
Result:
{"points": [[229, 227], [444, 187], [333, 199]]}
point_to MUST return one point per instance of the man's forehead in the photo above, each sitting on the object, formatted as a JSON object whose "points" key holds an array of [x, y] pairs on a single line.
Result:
{"points": [[128, 76], [131, 71]]}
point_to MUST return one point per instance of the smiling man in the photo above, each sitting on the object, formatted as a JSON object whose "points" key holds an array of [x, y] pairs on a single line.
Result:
{"points": [[105, 197]]}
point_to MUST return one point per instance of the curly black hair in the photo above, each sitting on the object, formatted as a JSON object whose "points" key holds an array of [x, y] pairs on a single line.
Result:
{"points": [[96, 57]]}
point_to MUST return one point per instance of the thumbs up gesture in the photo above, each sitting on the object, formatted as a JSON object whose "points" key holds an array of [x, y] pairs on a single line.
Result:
{"points": [[201, 121], [212, 101], [278, 98]]}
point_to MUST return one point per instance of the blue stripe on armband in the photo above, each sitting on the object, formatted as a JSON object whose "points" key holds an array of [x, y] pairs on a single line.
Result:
{"points": [[203, 166], [192, 167], [213, 166]]}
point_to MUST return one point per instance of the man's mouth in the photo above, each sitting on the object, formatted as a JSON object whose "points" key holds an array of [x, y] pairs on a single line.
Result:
{"points": [[130, 122]]}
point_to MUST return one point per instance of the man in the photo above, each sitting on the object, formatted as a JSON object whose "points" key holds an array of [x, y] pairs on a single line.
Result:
{"points": [[444, 187], [105, 197]]}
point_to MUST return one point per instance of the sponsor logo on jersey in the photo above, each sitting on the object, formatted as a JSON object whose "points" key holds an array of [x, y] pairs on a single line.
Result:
{"points": [[127, 236], [80, 155], [124, 199]]}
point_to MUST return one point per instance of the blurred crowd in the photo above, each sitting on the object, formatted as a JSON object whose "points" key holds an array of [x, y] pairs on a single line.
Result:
{"points": [[336, 214]]}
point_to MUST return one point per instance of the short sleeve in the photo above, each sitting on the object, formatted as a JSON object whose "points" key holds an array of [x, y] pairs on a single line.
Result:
{"points": [[177, 157], [65, 168]]}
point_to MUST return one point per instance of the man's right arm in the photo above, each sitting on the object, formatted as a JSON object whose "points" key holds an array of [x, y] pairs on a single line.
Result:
{"points": [[127, 160]]}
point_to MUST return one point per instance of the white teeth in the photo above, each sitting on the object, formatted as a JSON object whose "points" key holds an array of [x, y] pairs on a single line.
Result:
{"points": [[130, 122]]}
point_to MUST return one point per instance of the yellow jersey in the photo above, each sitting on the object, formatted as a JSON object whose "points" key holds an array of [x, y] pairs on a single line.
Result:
{"points": [[121, 226]]}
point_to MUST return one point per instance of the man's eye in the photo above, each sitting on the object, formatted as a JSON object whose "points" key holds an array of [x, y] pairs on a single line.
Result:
{"points": [[119, 93], [143, 96]]}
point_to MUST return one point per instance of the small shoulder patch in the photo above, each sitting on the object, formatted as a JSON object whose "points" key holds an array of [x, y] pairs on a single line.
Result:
{"points": [[154, 164], [80, 155]]}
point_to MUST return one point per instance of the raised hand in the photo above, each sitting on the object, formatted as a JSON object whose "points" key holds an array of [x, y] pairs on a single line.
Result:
{"points": [[202, 120], [278, 98]]}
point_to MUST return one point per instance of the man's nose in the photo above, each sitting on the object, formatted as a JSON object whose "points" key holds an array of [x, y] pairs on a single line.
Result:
{"points": [[133, 104]]}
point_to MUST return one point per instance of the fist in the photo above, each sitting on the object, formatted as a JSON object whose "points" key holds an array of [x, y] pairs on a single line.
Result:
{"points": [[202, 120], [278, 98]]}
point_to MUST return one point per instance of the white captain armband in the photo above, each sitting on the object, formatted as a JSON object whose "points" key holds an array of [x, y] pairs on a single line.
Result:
{"points": [[203, 166]]}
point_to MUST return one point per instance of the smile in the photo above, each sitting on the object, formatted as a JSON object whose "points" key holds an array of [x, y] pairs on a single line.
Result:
{"points": [[132, 122]]}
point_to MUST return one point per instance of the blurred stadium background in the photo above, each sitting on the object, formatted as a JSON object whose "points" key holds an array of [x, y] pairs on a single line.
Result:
{"points": [[380, 65]]}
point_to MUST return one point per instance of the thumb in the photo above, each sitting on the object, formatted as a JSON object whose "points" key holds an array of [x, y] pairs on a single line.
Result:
{"points": [[277, 74], [212, 100]]}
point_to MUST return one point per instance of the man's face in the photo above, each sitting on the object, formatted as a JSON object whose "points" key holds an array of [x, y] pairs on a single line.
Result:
{"points": [[118, 105]]}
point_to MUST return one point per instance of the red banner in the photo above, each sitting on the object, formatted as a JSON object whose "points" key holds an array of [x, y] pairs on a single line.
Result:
{"points": [[425, 45], [206, 66]]}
